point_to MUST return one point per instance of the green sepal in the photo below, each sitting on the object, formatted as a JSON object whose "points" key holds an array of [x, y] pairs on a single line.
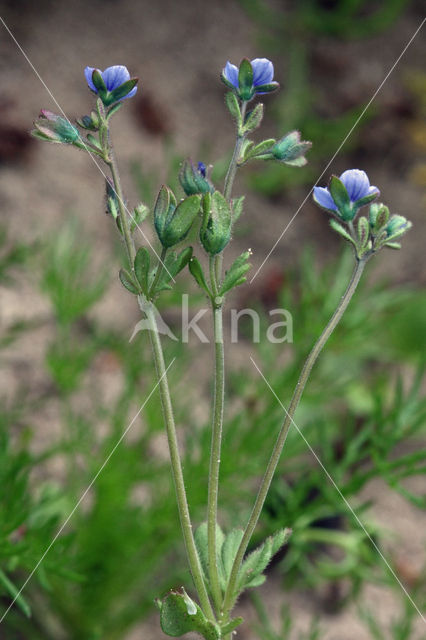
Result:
{"points": [[163, 209], [233, 106], [253, 119], [340, 229], [173, 265], [99, 83], [179, 614], [235, 274], [180, 221], [341, 198], [196, 271], [260, 150], [393, 245], [267, 88], [215, 232], [237, 207], [257, 561], [366, 200], [127, 282], [94, 141], [192, 181], [141, 264], [245, 80], [120, 92]]}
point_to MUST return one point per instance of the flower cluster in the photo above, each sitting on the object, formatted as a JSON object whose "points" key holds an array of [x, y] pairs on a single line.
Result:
{"points": [[344, 197]]}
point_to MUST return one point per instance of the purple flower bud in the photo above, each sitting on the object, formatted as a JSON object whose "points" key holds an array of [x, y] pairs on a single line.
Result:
{"points": [[348, 193], [113, 78]]}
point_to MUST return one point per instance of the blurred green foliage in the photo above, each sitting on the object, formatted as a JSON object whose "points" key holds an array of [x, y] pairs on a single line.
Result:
{"points": [[122, 546]]}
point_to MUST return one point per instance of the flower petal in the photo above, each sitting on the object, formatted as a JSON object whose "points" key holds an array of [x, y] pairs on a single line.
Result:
{"points": [[88, 74], [263, 71], [373, 190], [231, 74], [322, 196], [356, 182], [115, 76]]}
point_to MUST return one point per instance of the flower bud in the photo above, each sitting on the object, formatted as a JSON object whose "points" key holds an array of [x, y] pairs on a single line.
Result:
{"points": [[172, 222], [215, 231], [193, 179], [291, 150], [54, 128]]}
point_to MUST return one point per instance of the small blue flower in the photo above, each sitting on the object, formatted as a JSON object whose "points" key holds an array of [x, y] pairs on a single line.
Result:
{"points": [[113, 78], [258, 77], [346, 194]]}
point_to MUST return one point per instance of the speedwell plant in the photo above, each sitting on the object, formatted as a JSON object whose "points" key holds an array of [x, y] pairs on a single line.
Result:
{"points": [[220, 567]]}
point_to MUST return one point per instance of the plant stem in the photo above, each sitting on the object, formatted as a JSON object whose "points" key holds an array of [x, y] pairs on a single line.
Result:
{"points": [[149, 310], [185, 520], [219, 391], [216, 440], [124, 216], [276, 453]]}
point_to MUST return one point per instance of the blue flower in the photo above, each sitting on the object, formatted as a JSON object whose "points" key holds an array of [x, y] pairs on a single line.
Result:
{"points": [[251, 78], [112, 85], [347, 194]]}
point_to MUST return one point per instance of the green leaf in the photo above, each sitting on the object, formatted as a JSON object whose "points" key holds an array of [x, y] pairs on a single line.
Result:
{"points": [[230, 626], [201, 542], [142, 262], [237, 207], [260, 149], [173, 264], [179, 614], [230, 548], [253, 119], [13, 591], [235, 274], [341, 230], [233, 107], [94, 141], [127, 281], [257, 561], [196, 271]]}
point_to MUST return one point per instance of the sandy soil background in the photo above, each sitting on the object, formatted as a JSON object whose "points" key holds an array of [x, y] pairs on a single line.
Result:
{"points": [[177, 49]]}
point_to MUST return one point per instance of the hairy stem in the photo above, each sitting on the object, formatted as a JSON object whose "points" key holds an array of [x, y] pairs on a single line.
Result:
{"points": [[185, 520], [219, 390], [216, 440], [276, 453], [149, 310]]}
